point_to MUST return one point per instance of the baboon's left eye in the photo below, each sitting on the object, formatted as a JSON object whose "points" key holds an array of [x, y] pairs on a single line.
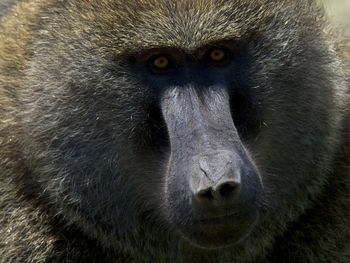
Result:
{"points": [[161, 62], [218, 55]]}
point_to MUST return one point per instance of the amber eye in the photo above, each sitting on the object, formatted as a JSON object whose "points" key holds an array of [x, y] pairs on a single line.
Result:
{"points": [[218, 55], [160, 62]]}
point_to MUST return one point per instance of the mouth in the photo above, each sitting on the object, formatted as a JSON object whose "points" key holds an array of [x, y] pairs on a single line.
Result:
{"points": [[219, 231], [215, 220]]}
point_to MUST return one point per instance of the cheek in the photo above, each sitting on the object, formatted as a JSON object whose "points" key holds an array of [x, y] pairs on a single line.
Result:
{"points": [[245, 112]]}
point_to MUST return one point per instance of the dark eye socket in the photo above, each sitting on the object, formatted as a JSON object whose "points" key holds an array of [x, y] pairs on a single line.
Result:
{"points": [[159, 63], [219, 55]]}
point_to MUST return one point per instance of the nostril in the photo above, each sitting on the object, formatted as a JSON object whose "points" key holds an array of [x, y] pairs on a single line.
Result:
{"points": [[222, 192], [227, 189], [205, 194]]}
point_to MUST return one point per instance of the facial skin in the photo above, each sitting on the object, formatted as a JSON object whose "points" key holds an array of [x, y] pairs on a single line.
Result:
{"points": [[210, 175]]}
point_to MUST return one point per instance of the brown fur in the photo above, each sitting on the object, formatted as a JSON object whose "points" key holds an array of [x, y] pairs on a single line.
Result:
{"points": [[40, 222]]}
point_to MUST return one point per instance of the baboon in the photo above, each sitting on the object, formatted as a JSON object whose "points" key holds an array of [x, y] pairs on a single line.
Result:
{"points": [[173, 131]]}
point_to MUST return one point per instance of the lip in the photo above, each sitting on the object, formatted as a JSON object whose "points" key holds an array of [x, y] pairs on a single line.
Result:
{"points": [[216, 220], [216, 230]]}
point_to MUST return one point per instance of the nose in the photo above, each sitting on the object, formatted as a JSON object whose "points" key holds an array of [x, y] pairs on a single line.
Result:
{"points": [[223, 192], [217, 180]]}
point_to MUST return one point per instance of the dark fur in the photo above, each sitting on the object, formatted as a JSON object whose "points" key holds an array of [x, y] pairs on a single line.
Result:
{"points": [[79, 180]]}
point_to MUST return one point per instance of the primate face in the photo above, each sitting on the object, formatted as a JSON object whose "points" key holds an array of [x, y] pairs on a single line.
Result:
{"points": [[206, 117], [211, 184]]}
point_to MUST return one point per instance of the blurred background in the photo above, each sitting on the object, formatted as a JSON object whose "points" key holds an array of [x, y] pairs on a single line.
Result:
{"points": [[339, 12]]}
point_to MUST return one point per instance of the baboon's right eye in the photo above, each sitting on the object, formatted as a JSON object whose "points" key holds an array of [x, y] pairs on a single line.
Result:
{"points": [[159, 63]]}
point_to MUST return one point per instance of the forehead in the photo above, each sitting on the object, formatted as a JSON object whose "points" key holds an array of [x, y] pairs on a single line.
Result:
{"points": [[185, 24]]}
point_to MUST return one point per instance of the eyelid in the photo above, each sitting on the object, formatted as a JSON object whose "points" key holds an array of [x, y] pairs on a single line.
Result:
{"points": [[145, 58], [170, 53], [229, 46]]}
